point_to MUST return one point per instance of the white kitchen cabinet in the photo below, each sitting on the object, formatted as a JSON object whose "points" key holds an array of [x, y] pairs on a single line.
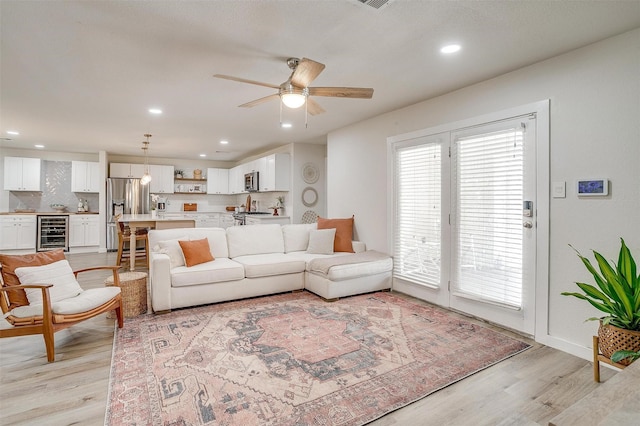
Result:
{"points": [[277, 173], [208, 220], [18, 232], [217, 181], [84, 230], [126, 170], [85, 176], [161, 179], [21, 174], [226, 220], [236, 180]]}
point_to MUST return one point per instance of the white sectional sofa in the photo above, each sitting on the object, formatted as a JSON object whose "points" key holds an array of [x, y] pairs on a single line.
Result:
{"points": [[256, 260]]}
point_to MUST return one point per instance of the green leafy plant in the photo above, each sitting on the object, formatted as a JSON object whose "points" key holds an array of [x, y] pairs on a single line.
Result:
{"points": [[618, 289], [620, 355]]}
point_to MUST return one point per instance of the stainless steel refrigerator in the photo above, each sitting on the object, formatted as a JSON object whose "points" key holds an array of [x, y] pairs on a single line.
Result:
{"points": [[124, 196]]}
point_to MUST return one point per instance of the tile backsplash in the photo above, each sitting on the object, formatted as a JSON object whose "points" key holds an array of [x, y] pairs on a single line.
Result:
{"points": [[56, 189]]}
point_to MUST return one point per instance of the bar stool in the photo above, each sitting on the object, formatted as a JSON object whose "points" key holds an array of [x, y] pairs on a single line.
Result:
{"points": [[124, 251]]}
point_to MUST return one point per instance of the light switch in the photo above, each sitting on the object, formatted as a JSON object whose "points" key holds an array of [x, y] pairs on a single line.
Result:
{"points": [[558, 189]]}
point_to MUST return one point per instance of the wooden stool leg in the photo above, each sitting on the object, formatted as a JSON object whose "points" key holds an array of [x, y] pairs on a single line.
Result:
{"points": [[596, 360]]}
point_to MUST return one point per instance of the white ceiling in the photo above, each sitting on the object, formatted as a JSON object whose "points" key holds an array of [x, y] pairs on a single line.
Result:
{"points": [[79, 76]]}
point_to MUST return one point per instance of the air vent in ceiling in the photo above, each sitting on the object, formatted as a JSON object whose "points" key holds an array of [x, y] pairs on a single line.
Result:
{"points": [[376, 4]]}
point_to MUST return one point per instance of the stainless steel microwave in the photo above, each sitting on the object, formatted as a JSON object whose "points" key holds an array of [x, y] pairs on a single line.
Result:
{"points": [[251, 182]]}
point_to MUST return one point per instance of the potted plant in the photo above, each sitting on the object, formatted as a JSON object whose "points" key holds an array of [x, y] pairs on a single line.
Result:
{"points": [[178, 173], [617, 293]]}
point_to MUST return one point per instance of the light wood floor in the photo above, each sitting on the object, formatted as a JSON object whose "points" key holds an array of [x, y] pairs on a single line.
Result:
{"points": [[527, 389]]}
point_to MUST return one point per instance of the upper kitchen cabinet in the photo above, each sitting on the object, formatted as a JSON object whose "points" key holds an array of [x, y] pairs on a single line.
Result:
{"points": [[276, 175], [236, 180], [85, 176], [126, 170], [217, 181], [161, 179], [21, 174]]}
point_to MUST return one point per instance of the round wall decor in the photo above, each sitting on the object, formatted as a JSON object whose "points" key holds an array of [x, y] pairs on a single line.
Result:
{"points": [[310, 173], [309, 196]]}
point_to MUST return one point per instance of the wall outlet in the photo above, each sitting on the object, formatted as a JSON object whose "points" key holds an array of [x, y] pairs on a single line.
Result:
{"points": [[558, 190]]}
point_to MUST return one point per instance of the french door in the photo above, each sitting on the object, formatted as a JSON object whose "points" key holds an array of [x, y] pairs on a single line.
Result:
{"points": [[465, 219]]}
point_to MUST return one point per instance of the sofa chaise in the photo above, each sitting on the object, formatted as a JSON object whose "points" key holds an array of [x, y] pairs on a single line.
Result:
{"points": [[256, 260]]}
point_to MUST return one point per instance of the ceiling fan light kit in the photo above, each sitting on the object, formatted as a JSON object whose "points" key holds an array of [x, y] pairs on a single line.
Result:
{"points": [[295, 92], [293, 97]]}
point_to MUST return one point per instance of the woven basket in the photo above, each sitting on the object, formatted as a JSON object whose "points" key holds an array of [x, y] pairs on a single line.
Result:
{"points": [[133, 288], [612, 339]]}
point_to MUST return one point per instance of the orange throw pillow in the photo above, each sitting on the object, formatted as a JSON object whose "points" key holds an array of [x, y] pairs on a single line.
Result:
{"points": [[344, 232], [9, 264], [196, 252]]}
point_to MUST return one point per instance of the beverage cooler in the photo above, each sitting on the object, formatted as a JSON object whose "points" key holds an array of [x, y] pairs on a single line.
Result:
{"points": [[53, 232]]}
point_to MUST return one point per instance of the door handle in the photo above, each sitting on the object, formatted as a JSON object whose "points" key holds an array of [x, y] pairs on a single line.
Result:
{"points": [[528, 225]]}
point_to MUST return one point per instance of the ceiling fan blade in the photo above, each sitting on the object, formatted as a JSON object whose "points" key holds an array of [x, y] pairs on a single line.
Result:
{"points": [[313, 107], [306, 71], [342, 92], [244, 80], [259, 101]]}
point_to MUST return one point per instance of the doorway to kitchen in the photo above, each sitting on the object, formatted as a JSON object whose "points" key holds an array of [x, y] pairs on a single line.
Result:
{"points": [[464, 218]]}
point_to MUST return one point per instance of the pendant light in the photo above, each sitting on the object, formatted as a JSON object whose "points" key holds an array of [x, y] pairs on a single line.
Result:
{"points": [[146, 178]]}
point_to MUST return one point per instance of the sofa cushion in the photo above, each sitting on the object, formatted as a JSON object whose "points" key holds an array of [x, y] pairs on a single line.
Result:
{"points": [[196, 252], [217, 238], [352, 266], [344, 232], [172, 249], [296, 236], [254, 239], [223, 269], [57, 273], [264, 265], [308, 257], [9, 264], [321, 241]]}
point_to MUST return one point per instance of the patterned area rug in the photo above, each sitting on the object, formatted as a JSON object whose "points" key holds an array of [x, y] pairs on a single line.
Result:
{"points": [[291, 359]]}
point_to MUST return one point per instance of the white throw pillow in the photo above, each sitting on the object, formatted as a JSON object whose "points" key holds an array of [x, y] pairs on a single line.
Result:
{"points": [[58, 273], [173, 250], [321, 241]]}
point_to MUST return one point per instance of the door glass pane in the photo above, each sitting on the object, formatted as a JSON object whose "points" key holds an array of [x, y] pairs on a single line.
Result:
{"points": [[418, 212], [487, 252]]}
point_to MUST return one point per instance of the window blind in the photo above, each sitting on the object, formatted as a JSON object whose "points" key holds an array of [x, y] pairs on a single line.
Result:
{"points": [[488, 185], [418, 208]]}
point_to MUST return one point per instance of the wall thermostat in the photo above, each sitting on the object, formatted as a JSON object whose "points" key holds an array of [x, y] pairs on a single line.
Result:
{"points": [[593, 187]]}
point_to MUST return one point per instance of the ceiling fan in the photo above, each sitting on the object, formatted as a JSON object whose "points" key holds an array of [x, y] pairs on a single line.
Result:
{"points": [[295, 91]]}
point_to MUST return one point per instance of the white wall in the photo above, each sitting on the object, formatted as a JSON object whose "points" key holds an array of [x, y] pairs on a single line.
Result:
{"points": [[594, 97]]}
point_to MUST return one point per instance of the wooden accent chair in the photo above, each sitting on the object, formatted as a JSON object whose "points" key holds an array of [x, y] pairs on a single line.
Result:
{"points": [[52, 315], [124, 251]]}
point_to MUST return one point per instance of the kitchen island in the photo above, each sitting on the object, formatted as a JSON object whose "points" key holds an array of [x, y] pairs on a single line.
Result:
{"points": [[136, 221]]}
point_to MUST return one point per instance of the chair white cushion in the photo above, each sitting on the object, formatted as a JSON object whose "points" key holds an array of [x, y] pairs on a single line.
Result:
{"points": [[57, 273], [321, 241], [85, 301]]}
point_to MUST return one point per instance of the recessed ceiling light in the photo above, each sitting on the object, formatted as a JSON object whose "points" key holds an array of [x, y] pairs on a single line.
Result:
{"points": [[286, 125], [223, 142], [203, 155], [450, 48], [155, 111], [12, 132], [39, 146]]}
